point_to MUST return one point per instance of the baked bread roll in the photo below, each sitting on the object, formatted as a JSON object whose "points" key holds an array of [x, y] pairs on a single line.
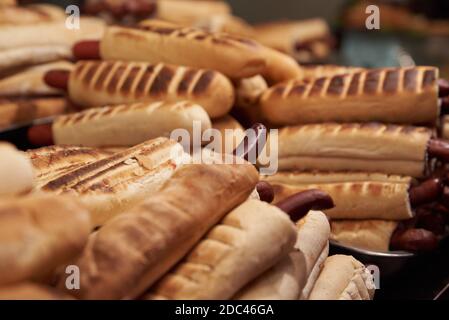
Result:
{"points": [[50, 33], [232, 133], [305, 40], [15, 15], [14, 59], [128, 125], [31, 291], [233, 253], [51, 162], [312, 72], [150, 239], [16, 171], [98, 83], [370, 147], [249, 90], [294, 276], [366, 234], [392, 95], [343, 278], [30, 81], [373, 197], [22, 110], [43, 233], [225, 23], [233, 56], [280, 67], [112, 185]]}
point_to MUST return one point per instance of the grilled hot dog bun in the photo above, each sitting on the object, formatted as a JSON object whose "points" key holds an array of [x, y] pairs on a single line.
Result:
{"points": [[128, 125], [97, 83], [232, 254], [152, 237], [370, 147], [392, 95]]}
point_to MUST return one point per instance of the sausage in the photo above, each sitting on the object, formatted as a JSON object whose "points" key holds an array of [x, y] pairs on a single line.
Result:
{"points": [[253, 143], [265, 191], [443, 88], [414, 240], [87, 50], [431, 221], [299, 204], [58, 79], [438, 149], [445, 197], [119, 9], [40, 135], [428, 191], [444, 105]]}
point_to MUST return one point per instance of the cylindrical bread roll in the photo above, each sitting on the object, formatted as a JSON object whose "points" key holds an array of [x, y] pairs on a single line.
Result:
{"points": [[113, 184], [151, 238], [294, 37], [15, 58], [294, 275], [280, 67], [312, 72], [188, 13], [128, 125], [392, 95], [40, 232], [233, 56], [225, 23], [30, 81], [51, 162], [232, 134], [22, 110], [234, 252], [16, 171], [342, 278], [99, 83], [370, 147], [376, 197], [366, 234], [31, 291], [50, 33], [15, 15], [249, 90]]}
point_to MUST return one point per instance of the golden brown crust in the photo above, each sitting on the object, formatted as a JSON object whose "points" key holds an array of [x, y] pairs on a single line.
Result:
{"points": [[98, 83], [311, 73], [131, 252], [394, 95], [366, 234], [39, 233], [234, 56], [31, 291]]}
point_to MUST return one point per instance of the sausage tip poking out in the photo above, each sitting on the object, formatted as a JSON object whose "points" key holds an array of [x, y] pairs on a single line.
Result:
{"points": [[428, 191], [414, 240], [253, 142], [58, 79], [265, 191], [299, 204], [443, 88], [85, 50]]}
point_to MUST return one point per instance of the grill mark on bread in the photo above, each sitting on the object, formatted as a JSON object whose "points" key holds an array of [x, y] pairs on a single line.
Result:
{"points": [[371, 81], [429, 78], [141, 85], [297, 90], [354, 85], [103, 75], [161, 81], [203, 82], [410, 79], [391, 82], [115, 79], [337, 85], [129, 79], [317, 87], [187, 78], [90, 73]]}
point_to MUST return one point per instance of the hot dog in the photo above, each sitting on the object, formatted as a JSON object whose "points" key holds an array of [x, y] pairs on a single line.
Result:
{"points": [[370, 147], [313, 72], [95, 83], [163, 229], [294, 276], [16, 171], [44, 232], [219, 270], [52, 162], [356, 195], [128, 125], [249, 90], [112, 185], [343, 278], [392, 95]]}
